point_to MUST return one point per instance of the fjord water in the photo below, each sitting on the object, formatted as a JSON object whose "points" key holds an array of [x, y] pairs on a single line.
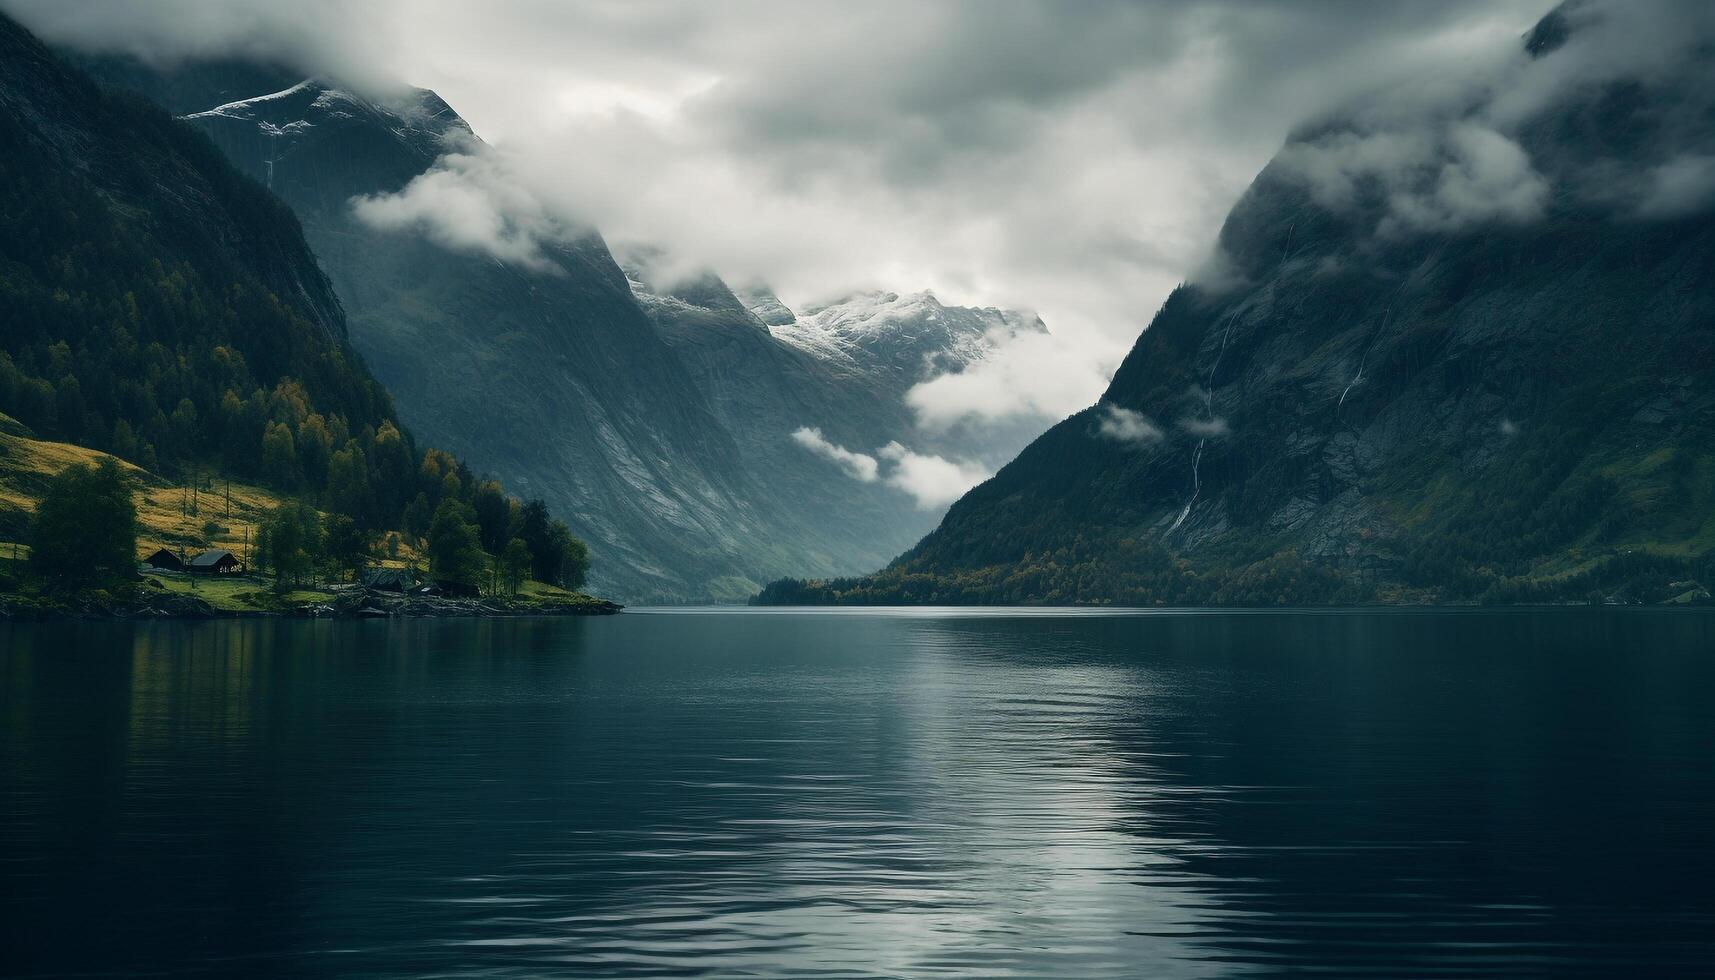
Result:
{"points": [[902, 794]]}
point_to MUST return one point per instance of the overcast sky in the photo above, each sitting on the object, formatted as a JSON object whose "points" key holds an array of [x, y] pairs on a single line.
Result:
{"points": [[1072, 158]]}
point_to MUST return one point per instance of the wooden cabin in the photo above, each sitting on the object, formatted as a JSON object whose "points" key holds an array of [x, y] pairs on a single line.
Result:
{"points": [[215, 561], [166, 561]]}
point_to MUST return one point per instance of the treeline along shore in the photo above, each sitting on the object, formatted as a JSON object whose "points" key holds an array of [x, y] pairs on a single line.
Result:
{"points": [[102, 539]]}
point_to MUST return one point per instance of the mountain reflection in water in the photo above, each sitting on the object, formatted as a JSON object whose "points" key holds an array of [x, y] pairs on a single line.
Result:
{"points": [[795, 793]]}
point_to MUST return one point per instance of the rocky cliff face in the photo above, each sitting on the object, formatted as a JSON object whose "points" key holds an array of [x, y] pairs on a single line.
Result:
{"points": [[1455, 349]]}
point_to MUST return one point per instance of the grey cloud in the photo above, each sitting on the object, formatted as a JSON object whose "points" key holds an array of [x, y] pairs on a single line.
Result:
{"points": [[1211, 428], [471, 201], [1073, 158], [352, 40], [1448, 155], [1682, 186], [1436, 174], [932, 481], [1487, 177], [1125, 425], [859, 466]]}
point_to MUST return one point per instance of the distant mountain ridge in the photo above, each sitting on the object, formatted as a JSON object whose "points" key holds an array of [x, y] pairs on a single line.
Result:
{"points": [[913, 335], [1484, 371], [764, 383]]}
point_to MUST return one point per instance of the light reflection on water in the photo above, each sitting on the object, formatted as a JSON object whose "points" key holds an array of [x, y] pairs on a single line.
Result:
{"points": [[802, 793]]}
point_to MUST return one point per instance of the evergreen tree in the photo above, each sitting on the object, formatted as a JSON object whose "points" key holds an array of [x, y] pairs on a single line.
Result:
{"points": [[514, 565], [345, 545], [280, 456], [574, 563], [290, 542], [536, 528], [315, 447], [84, 533], [493, 516], [348, 490], [454, 546]]}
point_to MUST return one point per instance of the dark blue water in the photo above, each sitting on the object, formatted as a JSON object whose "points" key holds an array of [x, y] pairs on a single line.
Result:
{"points": [[797, 794]]}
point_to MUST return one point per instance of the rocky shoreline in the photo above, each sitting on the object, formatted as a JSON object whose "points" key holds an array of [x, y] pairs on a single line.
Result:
{"points": [[347, 603]]}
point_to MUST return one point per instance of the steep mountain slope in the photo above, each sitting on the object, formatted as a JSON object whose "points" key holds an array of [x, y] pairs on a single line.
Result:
{"points": [[142, 278], [1462, 351]]}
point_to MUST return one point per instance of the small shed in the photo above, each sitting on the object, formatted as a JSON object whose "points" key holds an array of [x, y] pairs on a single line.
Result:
{"points": [[215, 561], [166, 561], [389, 580]]}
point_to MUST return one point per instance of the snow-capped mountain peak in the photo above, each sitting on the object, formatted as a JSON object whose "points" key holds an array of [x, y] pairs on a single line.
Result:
{"points": [[914, 332]]}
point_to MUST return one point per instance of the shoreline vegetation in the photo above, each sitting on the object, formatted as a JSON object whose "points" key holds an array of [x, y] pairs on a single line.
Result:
{"points": [[1631, 578], [247, 597], [84, 535]]}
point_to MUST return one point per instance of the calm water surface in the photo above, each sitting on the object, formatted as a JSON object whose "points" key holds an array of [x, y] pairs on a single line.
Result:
{"points": [[802, 794]]}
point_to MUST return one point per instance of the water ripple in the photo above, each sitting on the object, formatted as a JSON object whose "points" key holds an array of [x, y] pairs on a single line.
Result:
{"points": [[805, 795]]}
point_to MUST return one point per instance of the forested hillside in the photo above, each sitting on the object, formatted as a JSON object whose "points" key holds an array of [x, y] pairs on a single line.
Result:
{"points": [[157, 304]]}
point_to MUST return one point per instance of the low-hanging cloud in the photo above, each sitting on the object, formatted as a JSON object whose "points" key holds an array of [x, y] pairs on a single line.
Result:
{"points": [[1682, 186], [933, 481], [859, 466], [1206, 428], [1464, 175], [1487, 178], [1125, 425], [1446, 154], [471, 201], [1030, 375]]}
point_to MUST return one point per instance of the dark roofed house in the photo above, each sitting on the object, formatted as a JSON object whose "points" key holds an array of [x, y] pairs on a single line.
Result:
{"points": [[215, 561], [166, 561], [389, 580]]}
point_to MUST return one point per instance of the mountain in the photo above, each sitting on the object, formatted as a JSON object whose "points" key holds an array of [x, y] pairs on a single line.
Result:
{"points": [[142, 279], [1457, 348], [658, 418], [904, 338], [842, 370], [161, 307], [877, 346]]}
